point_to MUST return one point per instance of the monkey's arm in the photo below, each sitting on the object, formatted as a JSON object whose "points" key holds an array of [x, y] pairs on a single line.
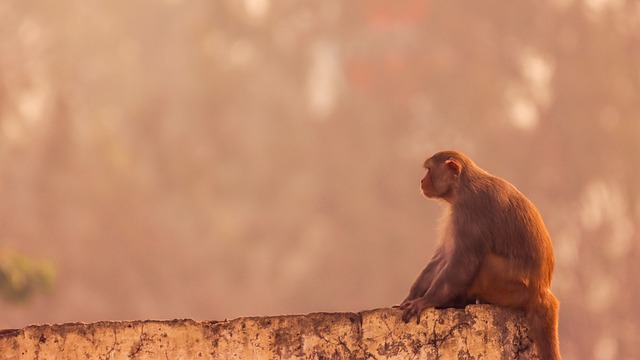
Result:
{"points": [[424, 280], [450, 282]]}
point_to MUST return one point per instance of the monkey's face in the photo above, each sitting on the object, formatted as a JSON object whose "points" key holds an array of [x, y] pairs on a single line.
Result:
{"points": [[441, 178]]}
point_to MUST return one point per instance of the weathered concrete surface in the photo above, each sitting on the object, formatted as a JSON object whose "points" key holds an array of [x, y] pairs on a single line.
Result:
{"points": [[477, 332]]}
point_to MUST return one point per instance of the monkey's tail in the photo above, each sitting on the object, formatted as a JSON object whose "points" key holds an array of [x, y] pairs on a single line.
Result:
{"points": [[542, 318]]}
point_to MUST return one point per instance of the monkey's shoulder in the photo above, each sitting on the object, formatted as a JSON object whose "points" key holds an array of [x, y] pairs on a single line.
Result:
{"points": [[496, 202], [500, 190]]}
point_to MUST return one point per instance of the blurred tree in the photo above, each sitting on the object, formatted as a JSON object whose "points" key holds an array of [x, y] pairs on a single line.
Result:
{"points": [[21, 276]]}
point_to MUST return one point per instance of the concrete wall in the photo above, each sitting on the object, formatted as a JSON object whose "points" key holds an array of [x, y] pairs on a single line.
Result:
{"points": [[477, 332]]}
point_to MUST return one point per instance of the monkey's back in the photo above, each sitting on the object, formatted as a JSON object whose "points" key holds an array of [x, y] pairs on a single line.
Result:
{"points": [[507, 224]]}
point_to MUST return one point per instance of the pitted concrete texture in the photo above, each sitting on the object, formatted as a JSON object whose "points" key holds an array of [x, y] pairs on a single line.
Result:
{"points": [[477, 332]]}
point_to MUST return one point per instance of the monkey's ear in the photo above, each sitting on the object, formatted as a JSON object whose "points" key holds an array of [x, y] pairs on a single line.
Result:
{"points": [[453, 165]]}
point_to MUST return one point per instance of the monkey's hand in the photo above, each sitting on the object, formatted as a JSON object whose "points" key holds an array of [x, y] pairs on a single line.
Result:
{"points": [[413, 308]]}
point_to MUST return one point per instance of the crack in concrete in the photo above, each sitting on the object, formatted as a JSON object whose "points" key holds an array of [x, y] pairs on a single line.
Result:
{"points": [[113, 346], [437, 341], [138, 346]]}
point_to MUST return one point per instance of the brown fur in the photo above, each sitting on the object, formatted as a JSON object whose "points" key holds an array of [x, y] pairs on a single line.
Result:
{"points": [[494, 249]]}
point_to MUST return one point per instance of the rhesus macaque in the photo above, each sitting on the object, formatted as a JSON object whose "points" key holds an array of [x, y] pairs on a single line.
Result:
{"points": [[494, 249]]}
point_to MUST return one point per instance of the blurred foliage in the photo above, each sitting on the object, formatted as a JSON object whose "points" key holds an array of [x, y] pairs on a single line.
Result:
{"points": [[22, 276]]}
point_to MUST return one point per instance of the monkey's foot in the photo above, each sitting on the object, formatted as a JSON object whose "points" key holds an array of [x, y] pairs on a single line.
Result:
{"points": [[413, 308]]}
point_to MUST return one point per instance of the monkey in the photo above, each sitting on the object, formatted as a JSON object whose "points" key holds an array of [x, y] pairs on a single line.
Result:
{"points": [[494, 248]]}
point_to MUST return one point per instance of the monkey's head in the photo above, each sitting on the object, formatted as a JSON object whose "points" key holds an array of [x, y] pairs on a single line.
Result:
{"points": [[442, 176]]}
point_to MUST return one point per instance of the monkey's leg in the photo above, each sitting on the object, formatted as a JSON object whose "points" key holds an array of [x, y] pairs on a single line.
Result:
{"points": [[498, 283], [459, 302]]}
